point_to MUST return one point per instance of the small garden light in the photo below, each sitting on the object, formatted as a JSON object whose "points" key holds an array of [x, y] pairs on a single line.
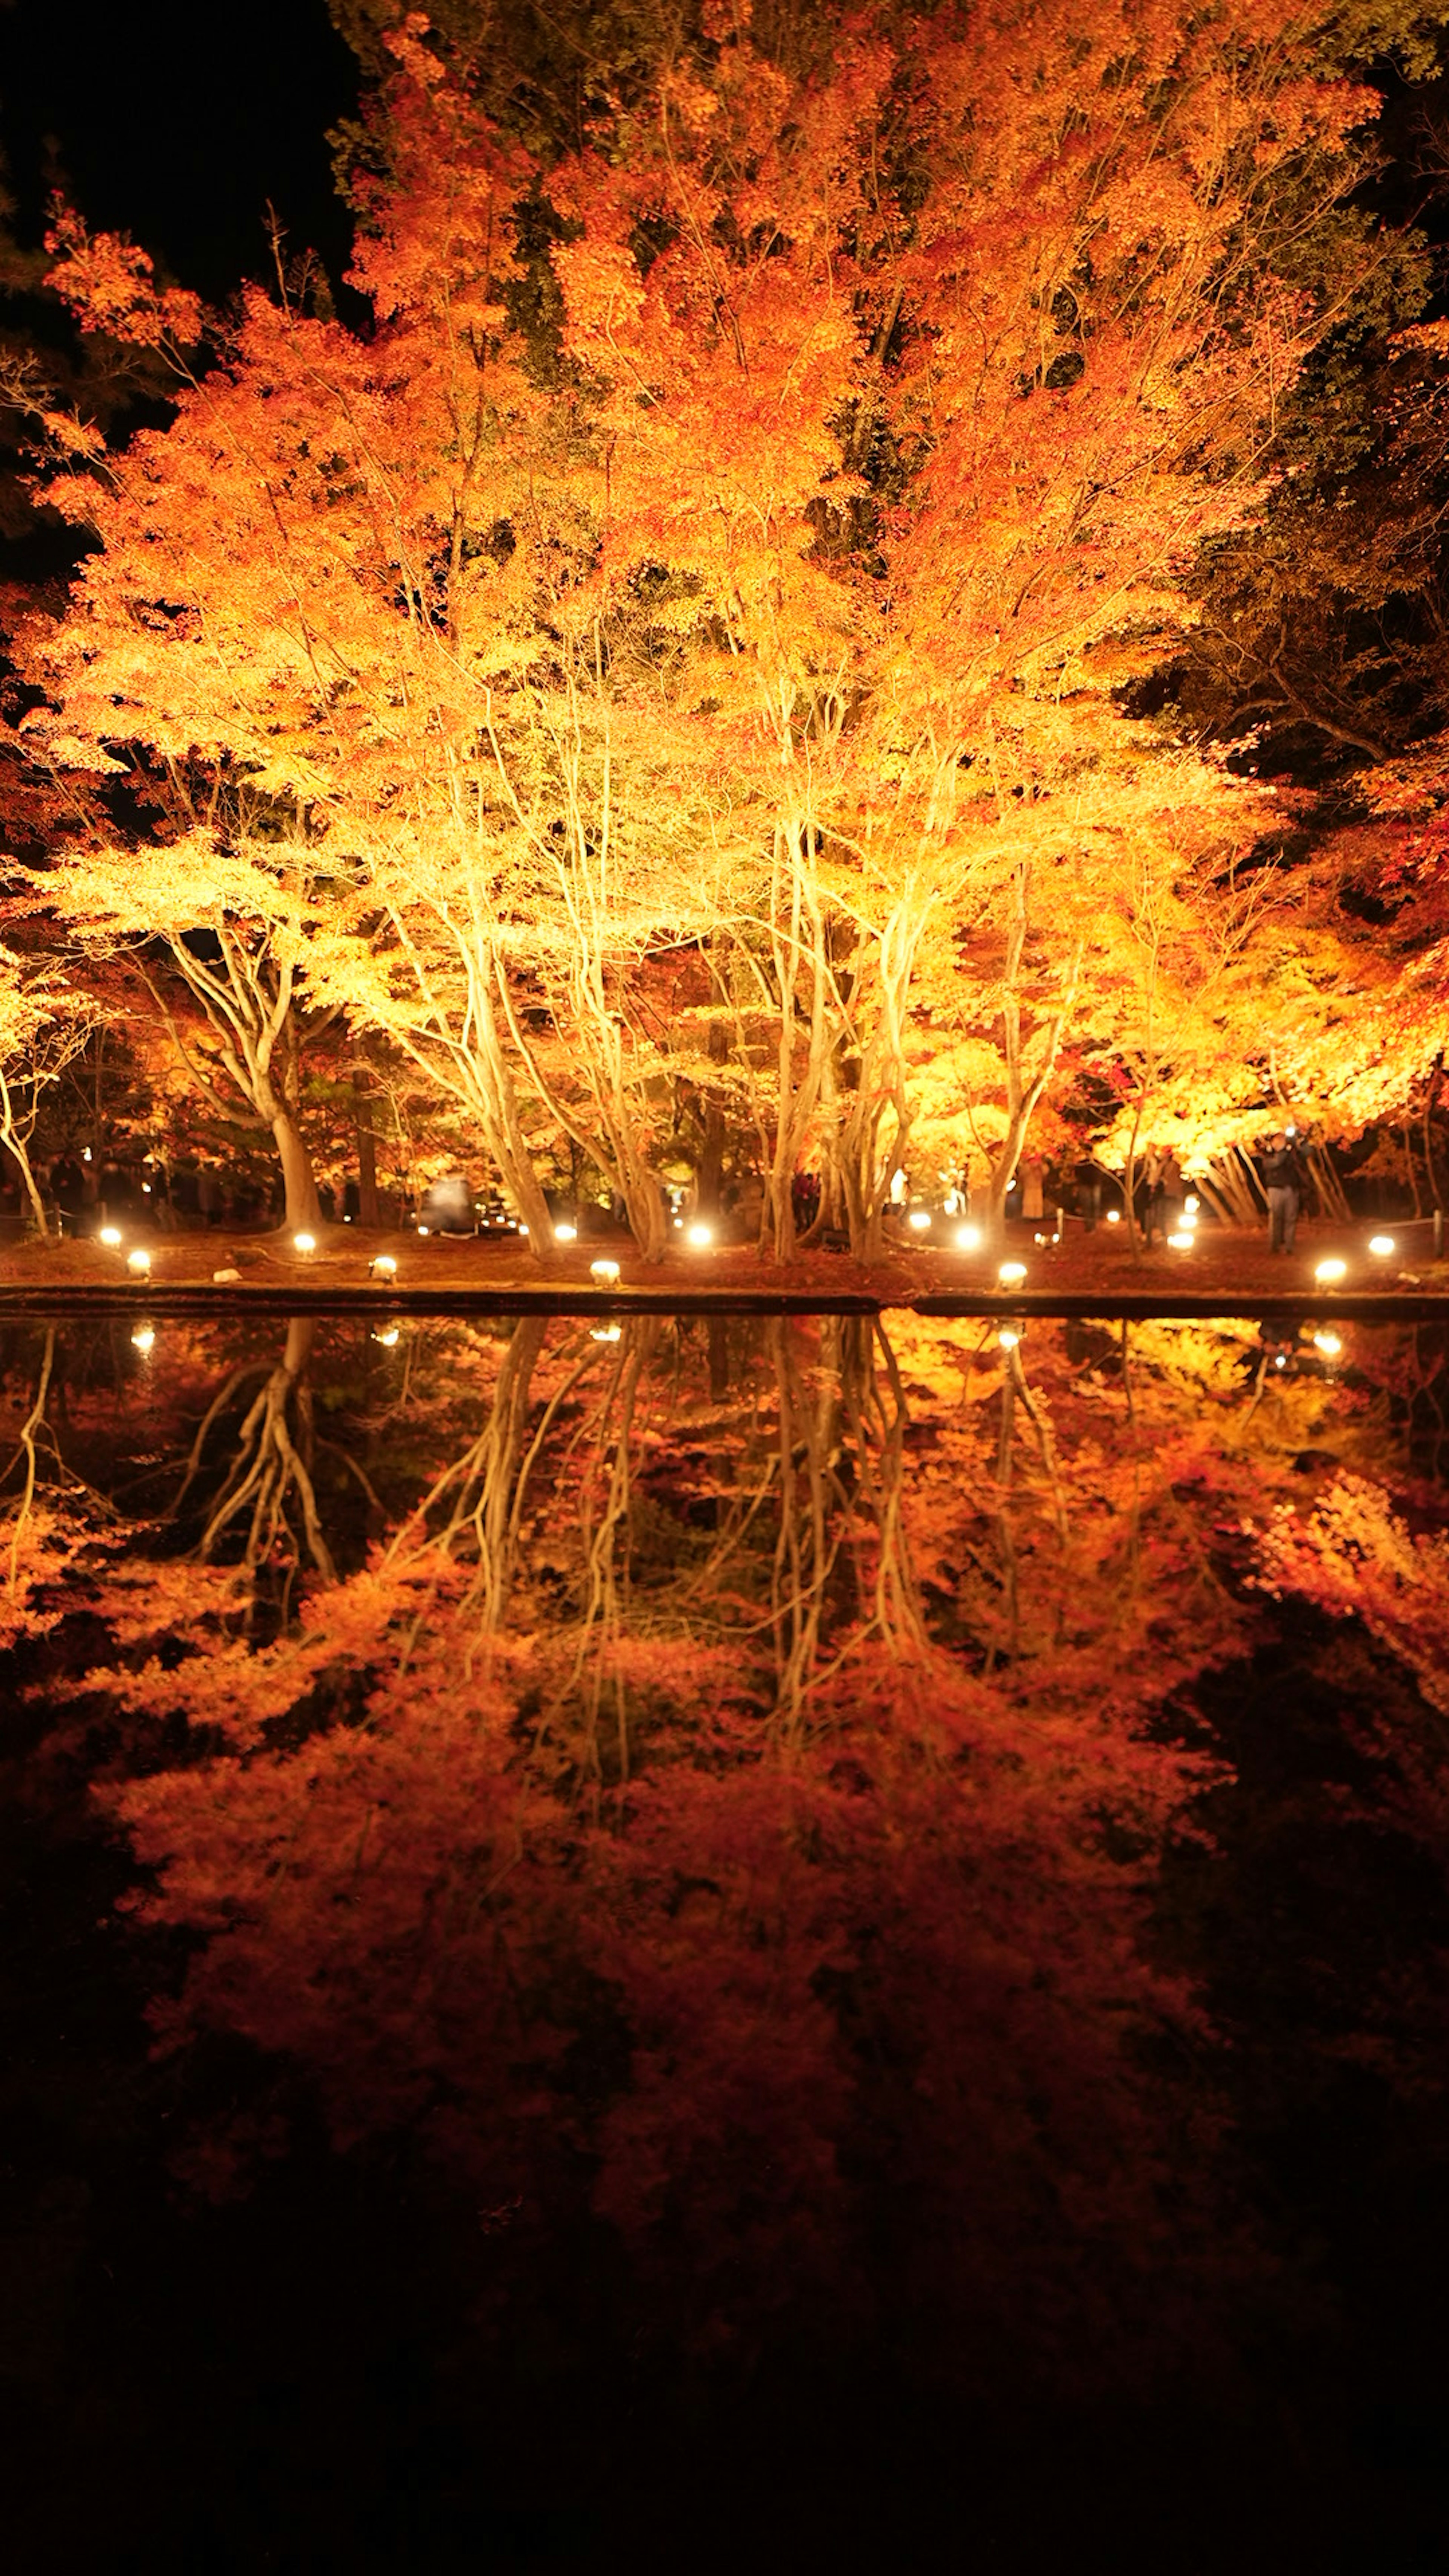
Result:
{"points": [[605, 1272], [304, 1243], [425, 1229], [1114, 1216], [1381, 1245], [1183, 1240], [919, 1221], [699, 1237], [565, 1233], [144, 1339], [968, 1238], [1191, 1204], [111, 1237], [139, 1264], [382, 1266], [1011, 1273], [1328, 1273]]}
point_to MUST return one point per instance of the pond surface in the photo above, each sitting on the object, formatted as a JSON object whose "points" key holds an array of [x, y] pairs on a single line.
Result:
{"points": [[816, 1935]]}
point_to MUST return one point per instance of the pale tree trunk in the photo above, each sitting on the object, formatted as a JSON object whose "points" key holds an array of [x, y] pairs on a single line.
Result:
{"points": [[798, 940], [881, 1091], [1023, 1092], [304, 1208]]}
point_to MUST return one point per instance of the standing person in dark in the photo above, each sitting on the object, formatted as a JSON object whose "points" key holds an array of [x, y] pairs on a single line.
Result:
{"points": [[1281, 1173]]}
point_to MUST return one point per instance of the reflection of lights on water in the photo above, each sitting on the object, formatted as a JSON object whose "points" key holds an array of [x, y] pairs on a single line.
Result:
{"points": [[565, 1233], [919, 1221], [382, 1266], [1009, 1337], [144, 1338], [139, 1264], [1182, 1241], [1328, 1343], [1328, 1273], [111, 1235], [1011, 1273], [606, 1272], [968, 1238], [304, 1243], [389, 1337], [605, 1333], [1382, 1245], [699, 1236]]}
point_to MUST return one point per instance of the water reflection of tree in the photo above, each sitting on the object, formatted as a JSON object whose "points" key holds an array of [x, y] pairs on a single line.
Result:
{"points": [[690, 1788]]}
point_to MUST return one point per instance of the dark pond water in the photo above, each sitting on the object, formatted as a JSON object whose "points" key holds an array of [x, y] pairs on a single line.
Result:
{"points": [[724, 1940]]}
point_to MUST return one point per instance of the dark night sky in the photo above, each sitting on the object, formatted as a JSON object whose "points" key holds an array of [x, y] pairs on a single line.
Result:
{"points": [[176, 120]]}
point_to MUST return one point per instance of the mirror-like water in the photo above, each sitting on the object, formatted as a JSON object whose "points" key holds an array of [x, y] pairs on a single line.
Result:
{"points": [[772, 1903]]}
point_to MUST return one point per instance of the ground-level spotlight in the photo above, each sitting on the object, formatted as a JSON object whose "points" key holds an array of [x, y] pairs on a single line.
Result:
{"points": [[919, 1221], [382, 1266], [111, 1237], [139, 1264], [1328, 1343], [388, 1336], [304, 1242], [144, 1339], [605, 1333], [968, 1238], [565, 1233], [1114, 1216], [1183, 1240], [425, 1229], [1328, 1273], [699, 1237], [1381, 1245], [1011, 1273], [605, 1272]]}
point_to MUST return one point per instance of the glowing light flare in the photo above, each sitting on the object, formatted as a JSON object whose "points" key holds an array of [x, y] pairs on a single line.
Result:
{"points": [[139, 1264], [1328, 1343], [144, 1339], [606, 1272], [1381, 1245], [1011, 1273], [919, 1221], [1191, 1205], [304, 1243], [699, 1237], [382, 1266], [1009, 1337], [968, 1238], [605, 1332], [1183, 1241], [1114, 1216], [565, 1233], [389, 1337], [111, 1237], [1328, 1273]]}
